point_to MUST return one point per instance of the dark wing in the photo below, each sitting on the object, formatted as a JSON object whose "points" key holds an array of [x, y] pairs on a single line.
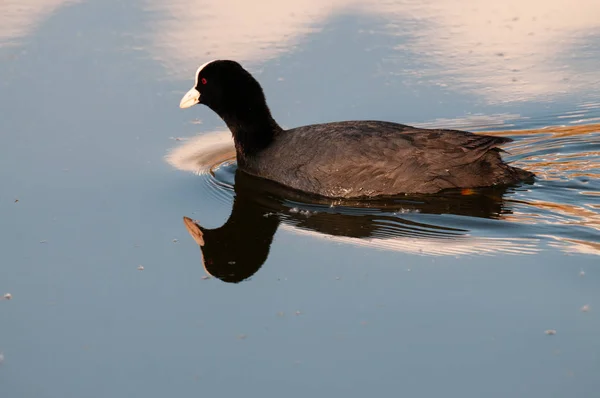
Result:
{"points": [[461, 146], [378, 158]]}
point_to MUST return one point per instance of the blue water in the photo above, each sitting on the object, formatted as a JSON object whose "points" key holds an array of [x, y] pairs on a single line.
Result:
{"points": [[98, 165]]}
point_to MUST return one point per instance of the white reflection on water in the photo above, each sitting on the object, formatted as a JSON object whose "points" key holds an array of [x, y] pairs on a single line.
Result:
{"points": [[201, 153], [513, 50], [19, 17], [502, 51], [460, 246], [509, 50]]}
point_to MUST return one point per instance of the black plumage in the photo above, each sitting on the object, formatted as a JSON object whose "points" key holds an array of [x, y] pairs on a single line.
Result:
{"points": [[349, 159]]}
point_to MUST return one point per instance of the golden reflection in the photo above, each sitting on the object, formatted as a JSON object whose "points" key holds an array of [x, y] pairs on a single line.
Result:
{"points": [[567, 214], [19, 17], [556, 131], [560, 164], [576, 246]]}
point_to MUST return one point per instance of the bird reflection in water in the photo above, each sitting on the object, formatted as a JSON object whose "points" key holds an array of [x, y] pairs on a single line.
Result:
{"points": [[236, 251]]}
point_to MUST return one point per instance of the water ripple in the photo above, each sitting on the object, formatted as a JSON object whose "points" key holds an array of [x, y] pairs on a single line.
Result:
{"points": [[561, 209]]}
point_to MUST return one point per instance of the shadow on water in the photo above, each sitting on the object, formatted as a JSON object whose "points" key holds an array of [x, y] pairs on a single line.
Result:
{"points": [[237, 249]]}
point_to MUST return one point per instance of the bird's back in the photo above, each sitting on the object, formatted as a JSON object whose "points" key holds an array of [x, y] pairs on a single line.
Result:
{"points": [[373, 158]]}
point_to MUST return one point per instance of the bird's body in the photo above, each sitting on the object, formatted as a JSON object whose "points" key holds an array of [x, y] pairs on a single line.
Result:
{"points": [[350, 159], [330, 160]]}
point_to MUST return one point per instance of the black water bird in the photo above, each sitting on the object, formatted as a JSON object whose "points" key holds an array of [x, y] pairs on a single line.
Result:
{"points": [[351, 159]]}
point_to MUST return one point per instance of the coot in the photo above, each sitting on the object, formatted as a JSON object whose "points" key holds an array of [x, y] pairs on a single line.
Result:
{"points": [[350, 159]]}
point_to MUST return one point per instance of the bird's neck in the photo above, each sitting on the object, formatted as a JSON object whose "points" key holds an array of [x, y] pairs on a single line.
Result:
{"points": [[253, 129]]}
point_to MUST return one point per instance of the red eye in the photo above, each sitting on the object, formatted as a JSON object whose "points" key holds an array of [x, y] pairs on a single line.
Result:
{"points": [[203, 80]]}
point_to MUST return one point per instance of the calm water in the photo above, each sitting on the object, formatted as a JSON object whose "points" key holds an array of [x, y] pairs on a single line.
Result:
{"points": [[423, 297]]}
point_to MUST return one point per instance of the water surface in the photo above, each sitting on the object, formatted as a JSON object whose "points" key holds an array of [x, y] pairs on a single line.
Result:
{"points": [[421, 297]]}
